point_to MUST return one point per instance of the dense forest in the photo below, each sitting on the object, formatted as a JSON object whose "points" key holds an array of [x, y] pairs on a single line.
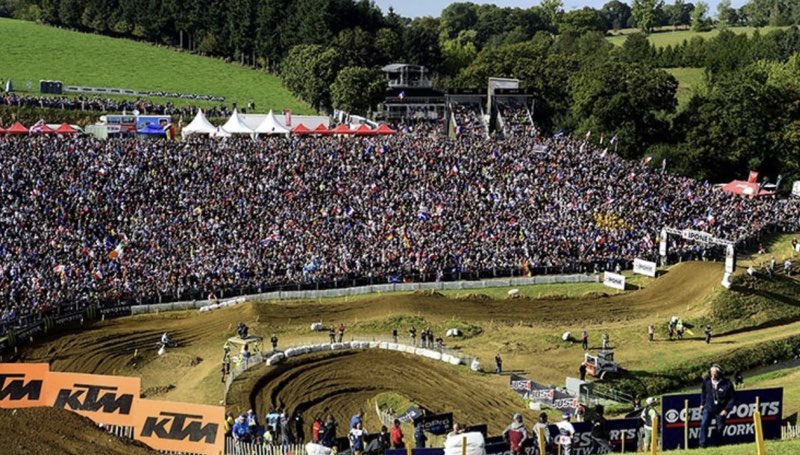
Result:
{"points": [[745, 115]]}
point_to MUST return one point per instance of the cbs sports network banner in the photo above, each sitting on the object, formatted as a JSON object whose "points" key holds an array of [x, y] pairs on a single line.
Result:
{"points": [[739, 427]]}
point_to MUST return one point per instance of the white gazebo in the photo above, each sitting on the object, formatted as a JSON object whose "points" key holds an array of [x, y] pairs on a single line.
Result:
{"points": [[235, 125], [200, 125], [270, 125]]}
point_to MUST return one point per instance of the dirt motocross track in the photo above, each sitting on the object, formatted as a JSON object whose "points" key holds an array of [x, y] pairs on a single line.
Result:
{"points": [[44, 431], [345, 382]]}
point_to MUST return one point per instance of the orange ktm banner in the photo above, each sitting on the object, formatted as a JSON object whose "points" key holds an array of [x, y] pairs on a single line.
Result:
{"points": [[180, 427], [109, 400], [23, 385]]}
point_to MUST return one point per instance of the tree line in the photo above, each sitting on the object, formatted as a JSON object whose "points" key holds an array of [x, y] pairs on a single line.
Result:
{"points": [[746, 113]]}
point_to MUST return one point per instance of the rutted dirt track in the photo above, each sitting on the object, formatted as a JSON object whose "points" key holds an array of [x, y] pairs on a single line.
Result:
{"points": [[340, 384], [42, 431]]}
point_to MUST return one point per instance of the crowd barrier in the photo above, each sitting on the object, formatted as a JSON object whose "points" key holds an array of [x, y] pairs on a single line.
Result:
{"points": [[374, 289], [273, 358], [247, 448]]}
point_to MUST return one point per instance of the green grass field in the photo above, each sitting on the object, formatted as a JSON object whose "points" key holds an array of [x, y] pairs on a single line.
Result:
{"points": [[772, 448], [668, 37], [690, 80], [33, 52]]}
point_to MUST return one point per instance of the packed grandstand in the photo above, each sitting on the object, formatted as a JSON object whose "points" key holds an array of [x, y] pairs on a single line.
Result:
{"points": [[86, 221]]}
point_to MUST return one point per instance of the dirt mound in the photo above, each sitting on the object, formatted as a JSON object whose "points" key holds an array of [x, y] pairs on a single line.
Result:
{"points": [[477, 297], [31, 432], [595, 295], [340, 384], [429, 293], [152, 392]]}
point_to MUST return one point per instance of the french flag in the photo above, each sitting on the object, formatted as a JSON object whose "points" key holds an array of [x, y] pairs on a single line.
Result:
{"points": [[402, 95], [38, 127]]}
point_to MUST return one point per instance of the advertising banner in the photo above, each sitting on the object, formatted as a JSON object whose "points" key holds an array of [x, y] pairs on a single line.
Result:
{"points": [[614, 280], [180, 427], [519, 384], [108, 400], [22, 385], [645, 268], [436, 423], [739, 426]]}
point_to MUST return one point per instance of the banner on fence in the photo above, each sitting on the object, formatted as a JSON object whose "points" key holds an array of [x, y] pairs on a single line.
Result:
{"points": [[22, 385], [645, 268], [614, 280], [436, 423], [180, 427], [104, 399], [739, 426], [520, 384]]}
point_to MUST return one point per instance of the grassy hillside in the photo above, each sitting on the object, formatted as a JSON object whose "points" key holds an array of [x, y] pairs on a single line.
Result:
{"points": [[32, 52], [689, 81], [669, 37]]}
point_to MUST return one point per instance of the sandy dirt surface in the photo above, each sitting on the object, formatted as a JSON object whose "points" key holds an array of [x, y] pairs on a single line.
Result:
{"points": [[522, 330], [47, 431], [343, 383]]}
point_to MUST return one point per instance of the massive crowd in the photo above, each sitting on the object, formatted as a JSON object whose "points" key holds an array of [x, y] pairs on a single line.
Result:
{"points": [[124, 220], [110, 105]]}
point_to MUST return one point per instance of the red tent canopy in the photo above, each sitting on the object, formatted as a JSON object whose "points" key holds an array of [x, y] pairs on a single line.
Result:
{"points": [[17, 128], [64, 128], [364, 130], [45, 130], [384, 129], [342, 129], [301, 130], [742, 188], [322, 129]]}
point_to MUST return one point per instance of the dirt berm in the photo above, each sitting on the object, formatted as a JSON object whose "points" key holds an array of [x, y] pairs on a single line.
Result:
{"points": [[49, 431]]}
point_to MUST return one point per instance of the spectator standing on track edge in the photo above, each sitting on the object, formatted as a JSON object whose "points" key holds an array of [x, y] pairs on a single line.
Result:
{"points": [[516, 435], [716, 402], [397, 436]]}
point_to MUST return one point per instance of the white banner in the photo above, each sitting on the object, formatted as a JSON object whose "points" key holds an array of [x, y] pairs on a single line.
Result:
{"points": [[614, 280], [730, 259], [643, 267]]}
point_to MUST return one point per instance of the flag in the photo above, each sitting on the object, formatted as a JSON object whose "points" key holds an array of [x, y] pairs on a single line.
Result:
{"points": [[647, 160], [753, 178], [116, 253], [663, 165], [37, 127], [602, 138], [402, 95], [522, 235], [582, 148], [605, 152], [455, 169], [59, 268], [588, 134], [614, 140], [406, 242]]}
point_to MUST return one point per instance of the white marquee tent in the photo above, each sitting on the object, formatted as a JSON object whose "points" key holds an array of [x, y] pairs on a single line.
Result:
{"points": [[271, 125], [236, 125], [200, 125]]}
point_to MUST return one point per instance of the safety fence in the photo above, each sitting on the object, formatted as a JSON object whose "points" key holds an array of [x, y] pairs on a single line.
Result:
{"points": [[790, 431], [233, 447], [373, 289]]}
